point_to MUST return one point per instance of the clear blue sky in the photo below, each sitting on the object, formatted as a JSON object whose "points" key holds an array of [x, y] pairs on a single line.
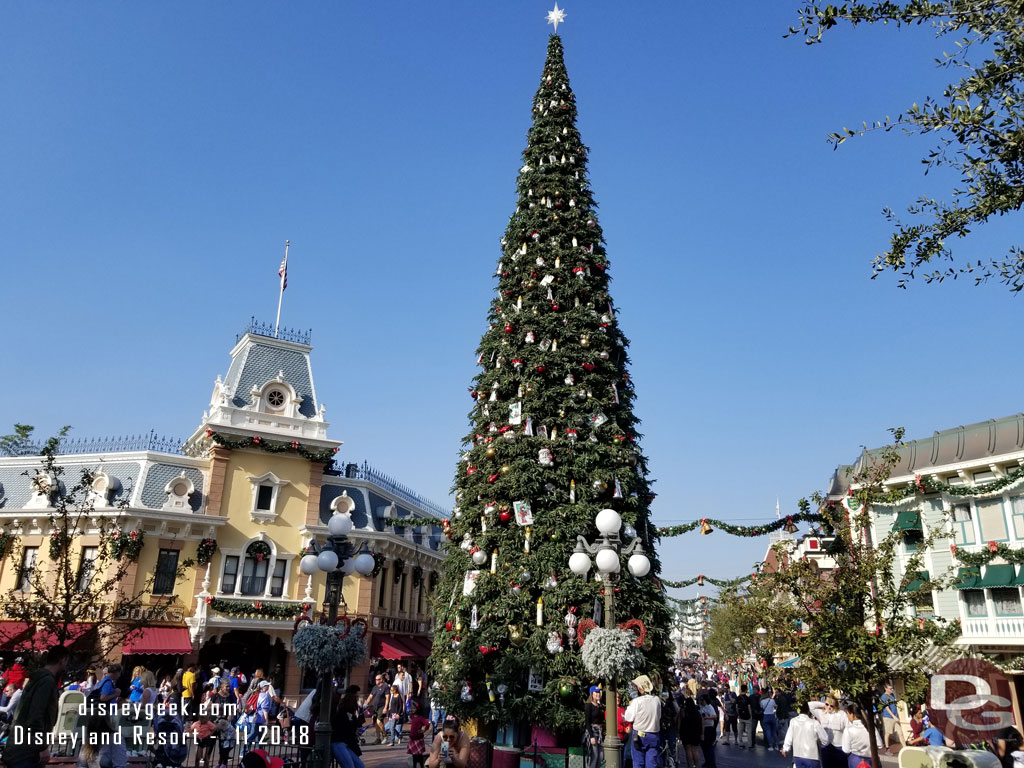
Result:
{"points": [[154, 157]]}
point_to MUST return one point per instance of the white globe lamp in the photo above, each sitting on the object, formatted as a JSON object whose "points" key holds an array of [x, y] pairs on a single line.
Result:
{"points": [[607, 561], [639, 565], [308, 564], [579, 563], [608, 522], [339, 524], [327, 560], [364, 564], [349, 566]]}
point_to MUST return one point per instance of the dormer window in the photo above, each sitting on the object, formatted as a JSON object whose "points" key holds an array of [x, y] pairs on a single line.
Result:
{"points": [[99, 489], [265, 493], [276, 398], [178, 492], [44, 485]]}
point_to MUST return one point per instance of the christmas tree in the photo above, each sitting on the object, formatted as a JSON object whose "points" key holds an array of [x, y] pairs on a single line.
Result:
{"points": [[553, 442]]}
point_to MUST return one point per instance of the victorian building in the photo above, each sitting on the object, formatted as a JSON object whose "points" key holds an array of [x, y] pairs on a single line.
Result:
{"points": [[249, 490]]}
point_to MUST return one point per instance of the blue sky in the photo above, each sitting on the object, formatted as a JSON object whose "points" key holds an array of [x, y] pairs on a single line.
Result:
{"points": [[155, 157]]}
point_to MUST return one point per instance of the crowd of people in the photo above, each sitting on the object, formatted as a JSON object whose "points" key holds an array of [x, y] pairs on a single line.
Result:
{"points": [[682, 717]]}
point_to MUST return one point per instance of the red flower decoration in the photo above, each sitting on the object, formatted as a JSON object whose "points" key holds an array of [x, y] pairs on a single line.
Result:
{"points": [[209, 600], [295, 445], [952, 548], [209, 433], [257, 439], [993, 547]]}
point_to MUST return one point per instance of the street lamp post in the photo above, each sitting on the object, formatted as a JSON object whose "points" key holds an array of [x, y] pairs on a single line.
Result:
{"points": [[608, 550], [337, 558]]}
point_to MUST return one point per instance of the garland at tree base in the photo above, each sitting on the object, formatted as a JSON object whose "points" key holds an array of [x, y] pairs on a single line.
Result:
{"points": [[709, 524], [242, 608], [700, 579], [1015, 556], [322, 455]]}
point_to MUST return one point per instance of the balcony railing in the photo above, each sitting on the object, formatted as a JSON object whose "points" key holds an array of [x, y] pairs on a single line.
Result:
{"points": [[1002, 627], [147, 441], [257, 328]]}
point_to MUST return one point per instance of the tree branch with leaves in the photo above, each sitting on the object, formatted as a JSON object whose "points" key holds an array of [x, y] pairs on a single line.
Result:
{"points": [[91, 605], [979, 122]]}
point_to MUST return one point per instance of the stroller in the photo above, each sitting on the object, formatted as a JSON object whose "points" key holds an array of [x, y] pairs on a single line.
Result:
{"points": [[170, 749]]}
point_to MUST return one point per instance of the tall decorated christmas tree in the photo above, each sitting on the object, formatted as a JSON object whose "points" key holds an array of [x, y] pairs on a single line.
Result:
{"points": [[554, 441]]}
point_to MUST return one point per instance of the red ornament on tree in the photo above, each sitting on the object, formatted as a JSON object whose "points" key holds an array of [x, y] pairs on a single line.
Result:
{"points": [[505, 516], [508, 327]]}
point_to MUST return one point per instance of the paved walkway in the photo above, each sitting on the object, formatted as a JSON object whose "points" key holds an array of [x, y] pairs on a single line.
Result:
{"points": [[726, 757]]}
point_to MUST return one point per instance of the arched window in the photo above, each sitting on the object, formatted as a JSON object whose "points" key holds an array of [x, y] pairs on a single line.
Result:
{"points": [[255, 568]]}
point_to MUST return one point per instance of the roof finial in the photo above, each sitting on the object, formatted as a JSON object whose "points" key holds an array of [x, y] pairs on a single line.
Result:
{"points": [[556, 16]]}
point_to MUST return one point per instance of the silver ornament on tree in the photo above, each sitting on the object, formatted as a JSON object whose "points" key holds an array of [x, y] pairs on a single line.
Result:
{"points": [[554, 642], [570, 622]]}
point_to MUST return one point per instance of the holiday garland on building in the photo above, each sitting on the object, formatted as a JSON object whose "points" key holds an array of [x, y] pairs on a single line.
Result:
{"points": [[205, 551], [991, 552], [258, 549], [322, 455], [127, 544], [257, 608], [553, 441]]}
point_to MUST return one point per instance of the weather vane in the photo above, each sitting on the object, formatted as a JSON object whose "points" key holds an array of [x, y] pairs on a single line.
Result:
{"points": [[556, 16]]}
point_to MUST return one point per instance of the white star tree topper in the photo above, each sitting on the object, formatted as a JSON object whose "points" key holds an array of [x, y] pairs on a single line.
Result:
{"points": [[556, 16]]}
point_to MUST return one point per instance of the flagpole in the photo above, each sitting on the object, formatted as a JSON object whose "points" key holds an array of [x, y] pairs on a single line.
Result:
{"points": [[280, 295]]}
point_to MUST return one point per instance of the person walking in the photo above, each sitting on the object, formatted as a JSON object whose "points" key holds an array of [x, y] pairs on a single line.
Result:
{"points": [[690, 727], [834, 722], [710, 721], [770, 721], [744, 718], [395, 708], [593, 727], [376, 701], [891, 718], [856, 740], [804, 737], [418, 726], [729, 725], [37, 713], [644, 713]]}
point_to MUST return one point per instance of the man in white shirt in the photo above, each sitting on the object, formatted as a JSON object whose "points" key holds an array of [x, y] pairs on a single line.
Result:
{"points": [[404, 683], [644, 714], [804, 736]]}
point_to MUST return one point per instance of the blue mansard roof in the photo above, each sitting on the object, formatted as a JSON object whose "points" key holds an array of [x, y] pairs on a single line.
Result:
{"points": [[261, 359]]}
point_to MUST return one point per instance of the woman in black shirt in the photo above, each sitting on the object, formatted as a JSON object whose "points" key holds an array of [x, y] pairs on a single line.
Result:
{"points": [[593, 723]]}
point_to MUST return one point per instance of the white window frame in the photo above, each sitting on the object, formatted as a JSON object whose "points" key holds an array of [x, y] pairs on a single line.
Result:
{"points": [[178, 502], [265, 515]]}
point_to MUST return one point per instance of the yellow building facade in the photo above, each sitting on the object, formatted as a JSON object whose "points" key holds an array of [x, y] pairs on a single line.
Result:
{"points": [[260, 477]]}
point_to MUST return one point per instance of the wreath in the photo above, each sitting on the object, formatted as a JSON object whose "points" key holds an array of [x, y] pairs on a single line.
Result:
{"points": [[611, 654], [259, 550], [399, 570], [126, 544], [205, 551], [434, 578], [59, 541], [378, 563], [417, 576]]}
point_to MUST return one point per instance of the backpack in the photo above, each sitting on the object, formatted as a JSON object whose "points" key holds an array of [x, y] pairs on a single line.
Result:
{"points": [[743, 707], [250, 703]]}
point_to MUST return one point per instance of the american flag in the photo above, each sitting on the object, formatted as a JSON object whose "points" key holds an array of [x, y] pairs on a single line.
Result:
{"points": [[282, 272]]}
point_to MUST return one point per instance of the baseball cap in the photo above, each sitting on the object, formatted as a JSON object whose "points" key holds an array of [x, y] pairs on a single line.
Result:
{"points": [[595, 689], [259, 758], [264, 683]]}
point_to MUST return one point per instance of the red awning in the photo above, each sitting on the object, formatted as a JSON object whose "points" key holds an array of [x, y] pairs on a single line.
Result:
{"points": [[157, 640], [19, 636], [390, 647], [419, 644]]}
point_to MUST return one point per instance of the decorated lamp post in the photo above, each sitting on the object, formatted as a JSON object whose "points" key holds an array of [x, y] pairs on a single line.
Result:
{"points": [[607, 550], [337, 558]]}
